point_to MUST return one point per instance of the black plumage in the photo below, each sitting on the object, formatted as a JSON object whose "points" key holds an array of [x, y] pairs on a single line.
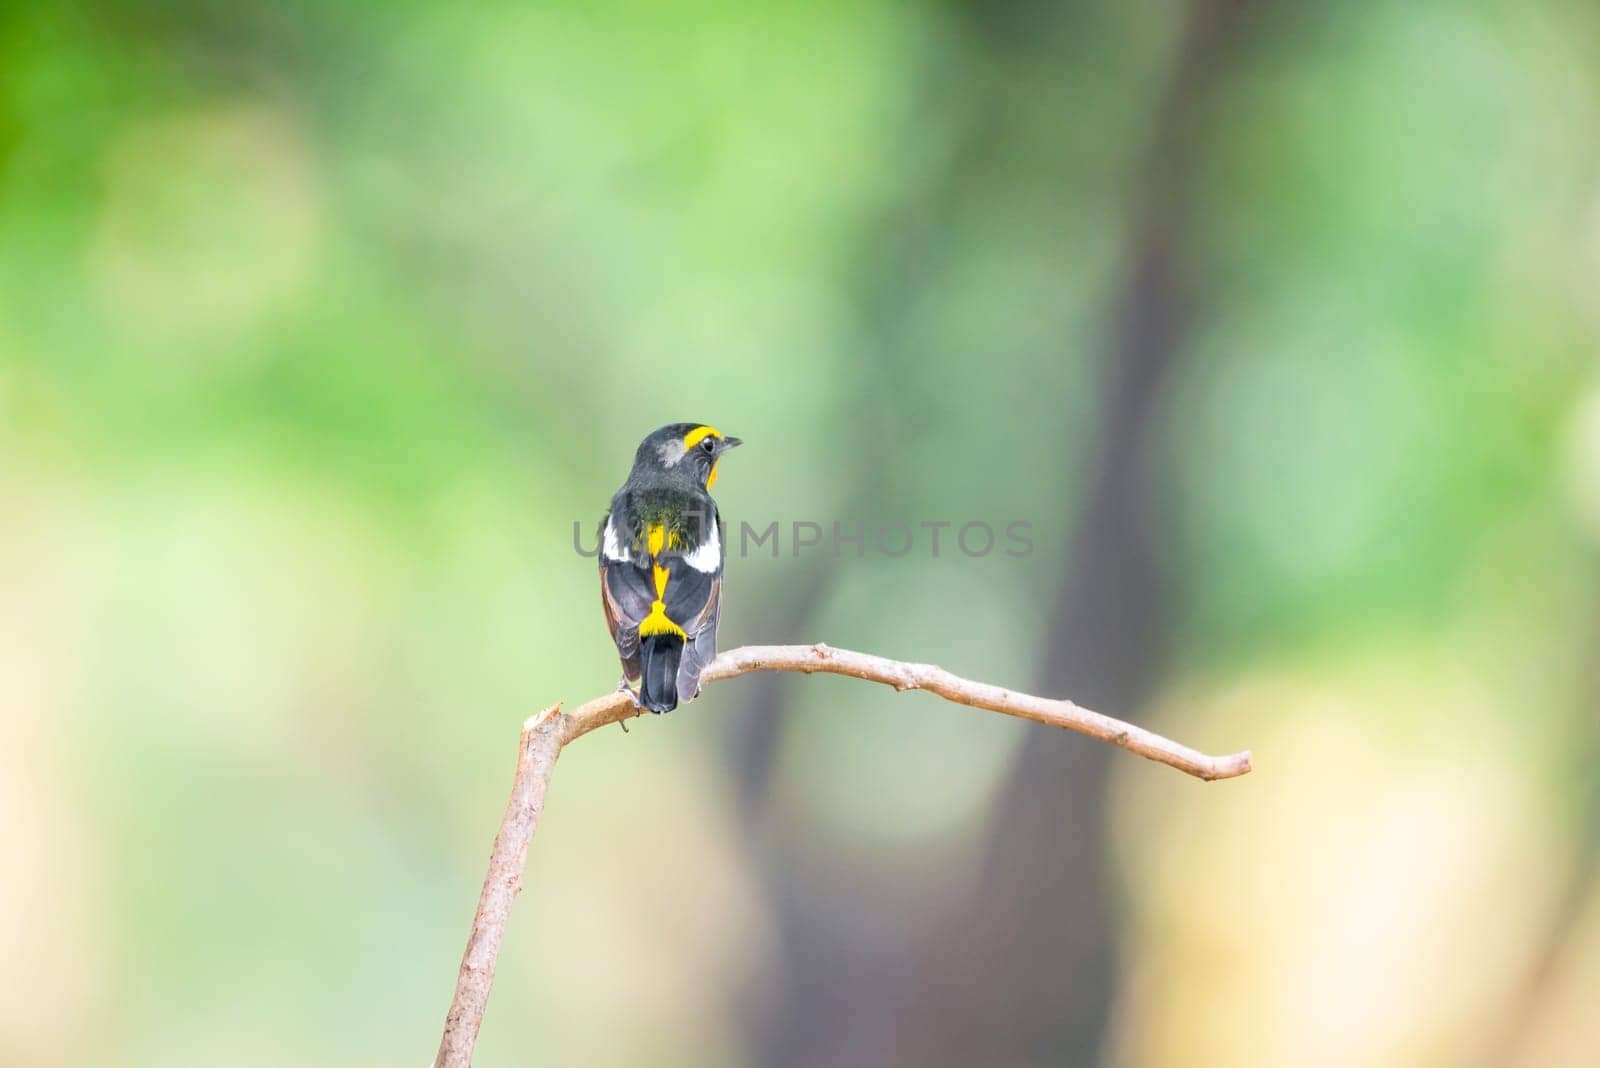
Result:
{"points": [[661, 560]]}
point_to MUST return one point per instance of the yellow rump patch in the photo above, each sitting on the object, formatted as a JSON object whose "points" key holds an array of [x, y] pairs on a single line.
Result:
{"points": [[657, 622]]}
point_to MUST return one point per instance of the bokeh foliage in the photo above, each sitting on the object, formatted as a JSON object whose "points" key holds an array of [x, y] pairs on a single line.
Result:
{"points": [[321, 324]]}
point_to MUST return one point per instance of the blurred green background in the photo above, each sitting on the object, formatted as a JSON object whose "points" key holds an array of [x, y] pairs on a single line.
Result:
{"points": [[320, 325]]}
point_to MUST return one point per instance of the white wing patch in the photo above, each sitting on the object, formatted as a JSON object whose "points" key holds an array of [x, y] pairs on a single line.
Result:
{"points": [[612, 547], [708, 557]]}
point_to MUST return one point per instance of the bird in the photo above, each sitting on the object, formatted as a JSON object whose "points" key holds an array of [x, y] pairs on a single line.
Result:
{"points": [[661, 557]]}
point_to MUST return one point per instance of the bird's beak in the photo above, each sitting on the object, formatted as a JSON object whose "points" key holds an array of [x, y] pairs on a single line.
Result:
{"points": [[724, 444]]}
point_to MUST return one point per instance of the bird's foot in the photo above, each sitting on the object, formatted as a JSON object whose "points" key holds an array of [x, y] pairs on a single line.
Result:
{"points": [[623, 687]]}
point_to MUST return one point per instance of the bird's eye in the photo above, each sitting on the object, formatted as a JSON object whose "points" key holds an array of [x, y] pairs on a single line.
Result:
{"points": [[708, 445]]}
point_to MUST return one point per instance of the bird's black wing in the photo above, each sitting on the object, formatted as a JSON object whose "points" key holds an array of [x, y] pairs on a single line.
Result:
{"points": [[626, 592], [700, 648], [694, 602]]}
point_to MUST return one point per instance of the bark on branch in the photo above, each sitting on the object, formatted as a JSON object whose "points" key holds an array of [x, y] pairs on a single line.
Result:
{"points": [[544, 736]]}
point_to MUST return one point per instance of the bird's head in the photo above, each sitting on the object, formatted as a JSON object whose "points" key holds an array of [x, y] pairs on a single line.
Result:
{"points": [[685, 450]]}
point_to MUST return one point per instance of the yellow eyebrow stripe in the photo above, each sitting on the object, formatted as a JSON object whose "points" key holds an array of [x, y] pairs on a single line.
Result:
{"points": [[699, 434]]}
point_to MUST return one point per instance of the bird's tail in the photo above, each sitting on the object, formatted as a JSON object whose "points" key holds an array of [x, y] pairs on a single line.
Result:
{"points": [[658, 671]]}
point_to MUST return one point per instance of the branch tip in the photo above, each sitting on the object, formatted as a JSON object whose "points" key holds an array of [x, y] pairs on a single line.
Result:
{"points": [[541, 716]]}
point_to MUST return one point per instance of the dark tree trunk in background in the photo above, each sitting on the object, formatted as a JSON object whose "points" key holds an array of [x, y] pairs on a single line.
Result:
{"points": [[1045, 923], [1026, 971]]}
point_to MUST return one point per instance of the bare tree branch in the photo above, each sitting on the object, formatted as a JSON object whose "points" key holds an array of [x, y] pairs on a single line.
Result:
{"points": [[542, 739], [544, 736], [810, 659]]}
